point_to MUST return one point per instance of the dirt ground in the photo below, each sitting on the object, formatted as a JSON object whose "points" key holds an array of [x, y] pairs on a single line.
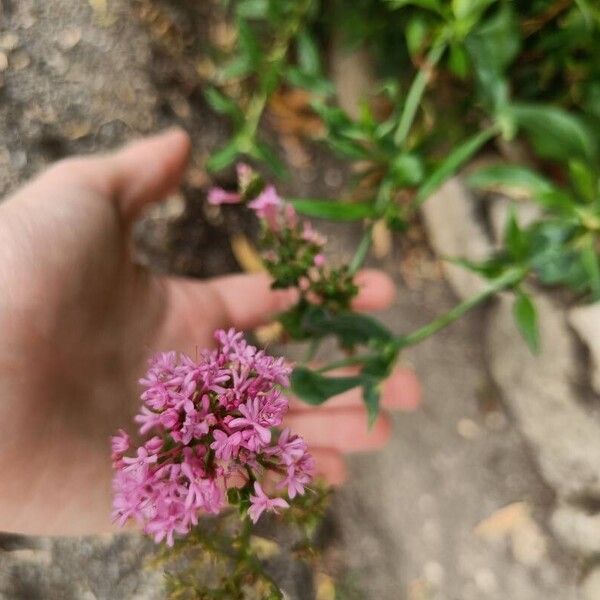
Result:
{"points": [[453, 509]]}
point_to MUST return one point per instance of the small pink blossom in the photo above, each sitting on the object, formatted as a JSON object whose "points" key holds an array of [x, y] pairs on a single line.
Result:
{"points": [[311, 235], [217, 195], [262, 502], [319, 260], [120, 442], [226, 446], [267, 206]]}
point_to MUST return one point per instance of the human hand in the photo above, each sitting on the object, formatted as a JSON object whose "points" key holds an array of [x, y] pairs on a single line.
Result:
{"points": [[79, 319]]}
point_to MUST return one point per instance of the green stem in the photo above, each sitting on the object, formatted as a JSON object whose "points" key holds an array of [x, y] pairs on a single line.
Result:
{"points": [[417, 88], [248, 559], [384, 196], [281, 44], [508, 279], [361, 252]]}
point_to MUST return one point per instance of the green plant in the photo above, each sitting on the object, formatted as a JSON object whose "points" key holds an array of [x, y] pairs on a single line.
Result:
{"points": [[458, 76]]}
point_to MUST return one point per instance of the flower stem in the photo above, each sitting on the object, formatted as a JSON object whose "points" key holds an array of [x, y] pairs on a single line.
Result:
{"points": [[361, 252], [417, 88], [384, 197], [508, 279]]}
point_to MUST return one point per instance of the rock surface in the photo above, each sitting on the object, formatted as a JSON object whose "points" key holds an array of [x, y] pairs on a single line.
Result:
{"points": [[585, 320], [455, 232], [538, 389]]}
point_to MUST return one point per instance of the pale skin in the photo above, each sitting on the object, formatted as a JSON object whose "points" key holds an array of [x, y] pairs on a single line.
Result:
{"points": [[79, 320]]}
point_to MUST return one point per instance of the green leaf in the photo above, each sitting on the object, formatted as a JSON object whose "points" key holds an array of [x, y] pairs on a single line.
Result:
{"points": [[492, 46], [468, 9], [515, 239], [237, 67], [264, 152], [448, 167], [233, 496], [553, 256], [512, 177], [407, 170], [351, 328], [589, 259], [223, 105], [308, 53], [248, 43], [314, 388], [331, 209], [526, 318], [253, 9], [558, 202], [584, 179], [458, 61], [490, 269], [223, 158], [416, 32], [313, 83], [348, 148], [434, 5], [554, 132], [415, 93], [371, 395]]}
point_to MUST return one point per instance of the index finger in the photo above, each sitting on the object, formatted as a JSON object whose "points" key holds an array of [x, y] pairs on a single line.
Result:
{"points": [[248, 300]]}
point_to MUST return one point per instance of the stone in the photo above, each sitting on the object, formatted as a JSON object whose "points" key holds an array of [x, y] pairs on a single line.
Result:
{"points": [[585, 320], [564, 437], [20, 60], [590, 588], [455, 232], [69, 38], [9, 40], [528, 543], [577, 529], [486, 581], [468, 429]]}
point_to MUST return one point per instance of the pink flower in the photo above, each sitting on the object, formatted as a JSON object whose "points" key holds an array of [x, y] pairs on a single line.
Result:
{"points": [[154, 445], [267, 206], [261, 502], [299, 474], [226, 446], [311, 235], [217, 195], [255, 432], [120, 442], [319, 260], [203, 420]]}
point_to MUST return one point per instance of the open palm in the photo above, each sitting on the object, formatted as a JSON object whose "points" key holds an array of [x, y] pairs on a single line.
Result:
{"points": [[79, 319]]}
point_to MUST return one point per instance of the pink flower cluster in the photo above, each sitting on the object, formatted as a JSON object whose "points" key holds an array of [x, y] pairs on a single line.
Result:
{"points": [[206, 425], [269, 207]]}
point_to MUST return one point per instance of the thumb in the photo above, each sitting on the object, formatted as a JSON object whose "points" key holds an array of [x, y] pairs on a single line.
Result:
{"points": [[147, 170], [141, 173]]}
